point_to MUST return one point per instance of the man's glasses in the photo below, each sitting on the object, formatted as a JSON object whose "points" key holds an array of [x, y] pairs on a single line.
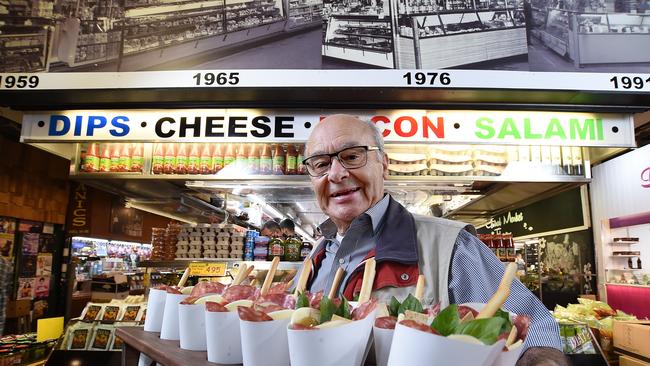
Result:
{"points": [[351, 158]]}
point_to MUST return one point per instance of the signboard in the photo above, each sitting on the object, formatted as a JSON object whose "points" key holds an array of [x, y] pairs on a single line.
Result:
{"points": [[560, 212], [399, 126], [78, 211], [207, 269]]}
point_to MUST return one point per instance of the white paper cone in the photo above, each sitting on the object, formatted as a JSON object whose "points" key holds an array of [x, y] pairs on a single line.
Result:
{"points": [[155, 309], [270, 335], [169, 328], [344, 345], [508, 358], [191, 326], [223, 338], [383, 339], [414, 347]]}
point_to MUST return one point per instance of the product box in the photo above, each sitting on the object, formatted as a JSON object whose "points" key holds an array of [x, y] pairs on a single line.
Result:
{"points": [[629, 361], [632, 337]]}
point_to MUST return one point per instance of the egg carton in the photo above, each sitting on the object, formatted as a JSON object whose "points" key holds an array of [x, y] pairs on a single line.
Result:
{"points": [[405, 158], [223, 251], [238, 241], [194, 255], [451, 169], [408, 169], [181, 251], [235, 256], [181, 255], [196, 241], [183, 242], [222, 246], [236, 247], [223, 234], [237, 251], [195, 234], [208, 236], [209, 251], [209, 242], [183, 247], [210, 255], [182, 237]]}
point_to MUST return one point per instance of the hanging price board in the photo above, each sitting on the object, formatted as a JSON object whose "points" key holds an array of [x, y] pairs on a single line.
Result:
{"points": [[207, 269]]}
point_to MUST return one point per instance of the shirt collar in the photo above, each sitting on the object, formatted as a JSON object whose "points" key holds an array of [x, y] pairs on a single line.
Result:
{"points": [[376, 213]]}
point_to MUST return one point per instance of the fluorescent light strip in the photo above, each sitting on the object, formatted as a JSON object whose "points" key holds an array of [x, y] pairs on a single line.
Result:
{"points": [[159, 213]]}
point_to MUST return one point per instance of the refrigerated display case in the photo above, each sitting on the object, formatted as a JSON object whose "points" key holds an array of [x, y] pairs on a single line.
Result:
{"points": [[304, 13], [360, 38]]}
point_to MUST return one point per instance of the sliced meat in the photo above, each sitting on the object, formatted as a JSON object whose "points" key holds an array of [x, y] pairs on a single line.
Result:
{"points": [[204, 287], [522, 322], [268, 307], [364, 309], [279, 288], [463, 310], [161, 287], [314, 299], [386, 322], [173, 290], [301, 327], [189, 300], [419, 326], [239, 292], [433, 311], [252, 315], [215, 307]]}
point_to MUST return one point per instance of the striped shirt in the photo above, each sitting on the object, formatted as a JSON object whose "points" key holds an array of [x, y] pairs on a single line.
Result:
{"points": [[472, 259]]}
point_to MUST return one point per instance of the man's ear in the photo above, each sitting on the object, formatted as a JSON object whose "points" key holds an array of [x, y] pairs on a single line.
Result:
{"points": [[384, 163]]}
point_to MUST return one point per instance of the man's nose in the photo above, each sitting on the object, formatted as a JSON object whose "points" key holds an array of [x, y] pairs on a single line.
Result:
{"points": [[337, 171]]}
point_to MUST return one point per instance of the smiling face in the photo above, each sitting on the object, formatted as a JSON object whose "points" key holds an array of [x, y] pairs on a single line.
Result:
{"points": [[343, 194]]}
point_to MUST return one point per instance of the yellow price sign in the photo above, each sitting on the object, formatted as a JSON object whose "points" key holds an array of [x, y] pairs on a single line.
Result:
{"points": [[207, 269]]}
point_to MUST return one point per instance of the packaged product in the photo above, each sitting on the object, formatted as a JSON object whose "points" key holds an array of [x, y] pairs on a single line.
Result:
{"points": [[91, 312]]}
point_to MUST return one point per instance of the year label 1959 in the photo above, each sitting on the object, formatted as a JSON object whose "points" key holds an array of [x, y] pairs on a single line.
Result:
{"points": [[427, 78], [629, 82], [18, 82]]}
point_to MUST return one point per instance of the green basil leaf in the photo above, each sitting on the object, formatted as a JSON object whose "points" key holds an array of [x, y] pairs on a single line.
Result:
{"points": [[302, 301], [486, 330], [344, 309], [393, 306], [327, 309], [447, 321], [410, 303], [507, 325]]}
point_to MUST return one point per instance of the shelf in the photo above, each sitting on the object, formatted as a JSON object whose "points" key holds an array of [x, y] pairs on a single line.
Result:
{"points": [[184, 262], [625, 269], [625, 255], [623, 242], [625, 284], [169, 19], [363, 35]]}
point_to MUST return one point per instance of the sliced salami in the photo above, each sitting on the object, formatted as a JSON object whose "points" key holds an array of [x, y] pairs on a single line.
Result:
{"points": [[279, 288], [215, 307], [433, 311], [239, 292], [364, 309], [252, 315], [521, 322], [464, 310], [173, 290], [204, 287], [419, 326], [268, 307], [386, 322]]}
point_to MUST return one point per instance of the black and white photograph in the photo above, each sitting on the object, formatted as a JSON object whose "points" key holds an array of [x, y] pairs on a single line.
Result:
{"points": [[589, 35], [137, 35]]}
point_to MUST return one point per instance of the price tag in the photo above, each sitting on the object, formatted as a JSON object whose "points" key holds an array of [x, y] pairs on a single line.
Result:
{"points": [[207, 269]]}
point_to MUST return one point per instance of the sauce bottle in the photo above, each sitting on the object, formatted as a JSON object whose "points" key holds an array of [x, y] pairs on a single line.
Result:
{"points": [[276, 249], [137, 158], [241, 159], [305, 249], [567, 160], [266, 160], [157, 161], [205, 162], [229, 156], [217, 158], [91, 163], [300, 169], [278, 160], [115, 158], [291, 159], [125, 158], [181, 159], [576, 153], [169, 161], [253, 159], [292, 249], [193, 162]]}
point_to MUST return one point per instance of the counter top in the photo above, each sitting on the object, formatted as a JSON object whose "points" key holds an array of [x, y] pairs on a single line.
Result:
{"points": [[625, 284], [167, 353]]}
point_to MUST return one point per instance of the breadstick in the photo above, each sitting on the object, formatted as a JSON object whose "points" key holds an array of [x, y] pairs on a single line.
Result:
{"points": [[368, 280], [186, 274], [269, 276], [511, 337], [304, 276], [501, 295], [419, 288], [240, 274], [337, 281]]}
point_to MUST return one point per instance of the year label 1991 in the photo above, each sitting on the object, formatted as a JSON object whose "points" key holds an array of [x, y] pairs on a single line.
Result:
{"points": [[629, 82], [18, 82], [427, 78]]}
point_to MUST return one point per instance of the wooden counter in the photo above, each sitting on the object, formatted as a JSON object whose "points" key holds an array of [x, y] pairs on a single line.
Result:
{"points": [[167, 353]]}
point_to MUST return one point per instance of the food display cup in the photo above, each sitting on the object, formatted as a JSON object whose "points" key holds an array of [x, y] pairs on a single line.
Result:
{"points": [[155, 309], [344, 345], [415, 347], [169, 328], [383, 339], [507, 358], [191, 327], [270, 335], [223, 337]]}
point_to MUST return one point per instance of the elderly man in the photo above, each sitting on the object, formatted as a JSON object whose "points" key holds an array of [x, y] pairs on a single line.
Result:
{"points": [[347, 165]]}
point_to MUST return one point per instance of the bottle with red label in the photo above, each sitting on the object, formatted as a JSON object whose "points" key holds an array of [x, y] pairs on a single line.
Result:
{"points": [[301, 157], [217, 158], [229, 155], [278, 160], [181, 159], [91, 163], [291, 160], [266, 160], [205, 161], [193, 161], [125, 158], [158, 159], [137, 158], [169, 162], [115, 158]]}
